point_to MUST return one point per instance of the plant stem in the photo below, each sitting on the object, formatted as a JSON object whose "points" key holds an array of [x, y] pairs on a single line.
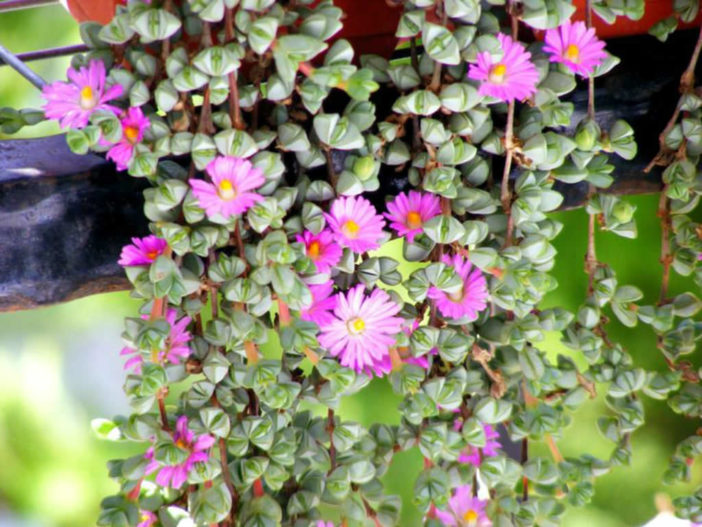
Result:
{"points": [[666, 256], [234, 109], [505, 192], [227, 475], [330, 431], [591, 78], [333, 178], [686, 85], [590, 255]]}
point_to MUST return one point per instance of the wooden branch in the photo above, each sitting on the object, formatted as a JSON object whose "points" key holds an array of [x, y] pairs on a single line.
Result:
{"points": [[64, 218]]}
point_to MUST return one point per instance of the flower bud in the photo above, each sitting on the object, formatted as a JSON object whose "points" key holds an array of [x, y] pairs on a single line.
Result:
{"points": [[586, 135], [364, 167], [623, 212]]}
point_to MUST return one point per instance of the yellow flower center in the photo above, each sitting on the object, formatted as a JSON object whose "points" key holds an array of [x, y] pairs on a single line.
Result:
{"points": [[226, 190], [414, 220], [87, 98], [356, 326], [144, 517], [131, 133], [572, 53], [497, 73], [313, 250], [350, 229], [181, 444], [152, 255], [470, 516]]}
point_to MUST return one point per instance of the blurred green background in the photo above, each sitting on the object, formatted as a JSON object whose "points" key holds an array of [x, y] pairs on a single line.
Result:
{"points": [[59, 366]]}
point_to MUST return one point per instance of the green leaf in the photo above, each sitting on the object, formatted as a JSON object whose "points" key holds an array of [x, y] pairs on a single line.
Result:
{"points": [[440, 44]]}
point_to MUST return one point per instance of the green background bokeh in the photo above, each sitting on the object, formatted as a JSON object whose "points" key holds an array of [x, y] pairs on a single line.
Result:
{"points": [[59, 366]]}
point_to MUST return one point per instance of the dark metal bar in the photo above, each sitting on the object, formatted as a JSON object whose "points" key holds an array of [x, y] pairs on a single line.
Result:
{"points": [[40, 54], [13, 5], [19, 66]]}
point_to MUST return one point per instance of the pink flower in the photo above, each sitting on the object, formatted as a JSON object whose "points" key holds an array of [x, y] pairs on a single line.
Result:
{"points": [[512, 77], [464, 510], [362, 331], [356, 224], [320, 310], [408, 213], [142, 251], [470, 299], [133, 125], [228, 195], [176, 344], [146, 519], [321, 249], [322, 523], [196, 448], [72, 103], [576, 46], [422, 361], [473, 455]]}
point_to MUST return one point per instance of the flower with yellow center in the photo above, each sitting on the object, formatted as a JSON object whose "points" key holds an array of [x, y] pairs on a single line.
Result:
{"points": [[313, 250], [414, 220], [497, 73], [131, 133], [350, 229], [356, 326], [226, 190], [87, 98], [470, 517], [572, 53]]}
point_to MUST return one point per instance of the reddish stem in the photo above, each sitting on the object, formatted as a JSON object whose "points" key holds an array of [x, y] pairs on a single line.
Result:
{"points": [[234, 109], [258, 488], [283, 313]]}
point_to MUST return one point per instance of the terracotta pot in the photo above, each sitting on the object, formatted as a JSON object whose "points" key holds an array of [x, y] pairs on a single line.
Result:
{"points": [[96, 10], [655, 10], [369, 25]]}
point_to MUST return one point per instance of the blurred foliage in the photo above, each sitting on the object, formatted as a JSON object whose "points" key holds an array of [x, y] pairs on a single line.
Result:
{"points": [[53, 474]]}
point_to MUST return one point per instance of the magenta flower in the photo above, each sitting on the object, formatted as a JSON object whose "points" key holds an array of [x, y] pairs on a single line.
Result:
{"points": [[464, 510], [362, 331], [576, 46], [72, 103], [467, 301], [323, 302], [146, 519], [408, 213], [142, 251], [356, 224], [321, 249], [473, 455], [322, 523], [512, 77], [133, 125], [196, 448], [176, 344], [422, 361], [228, 195]]}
